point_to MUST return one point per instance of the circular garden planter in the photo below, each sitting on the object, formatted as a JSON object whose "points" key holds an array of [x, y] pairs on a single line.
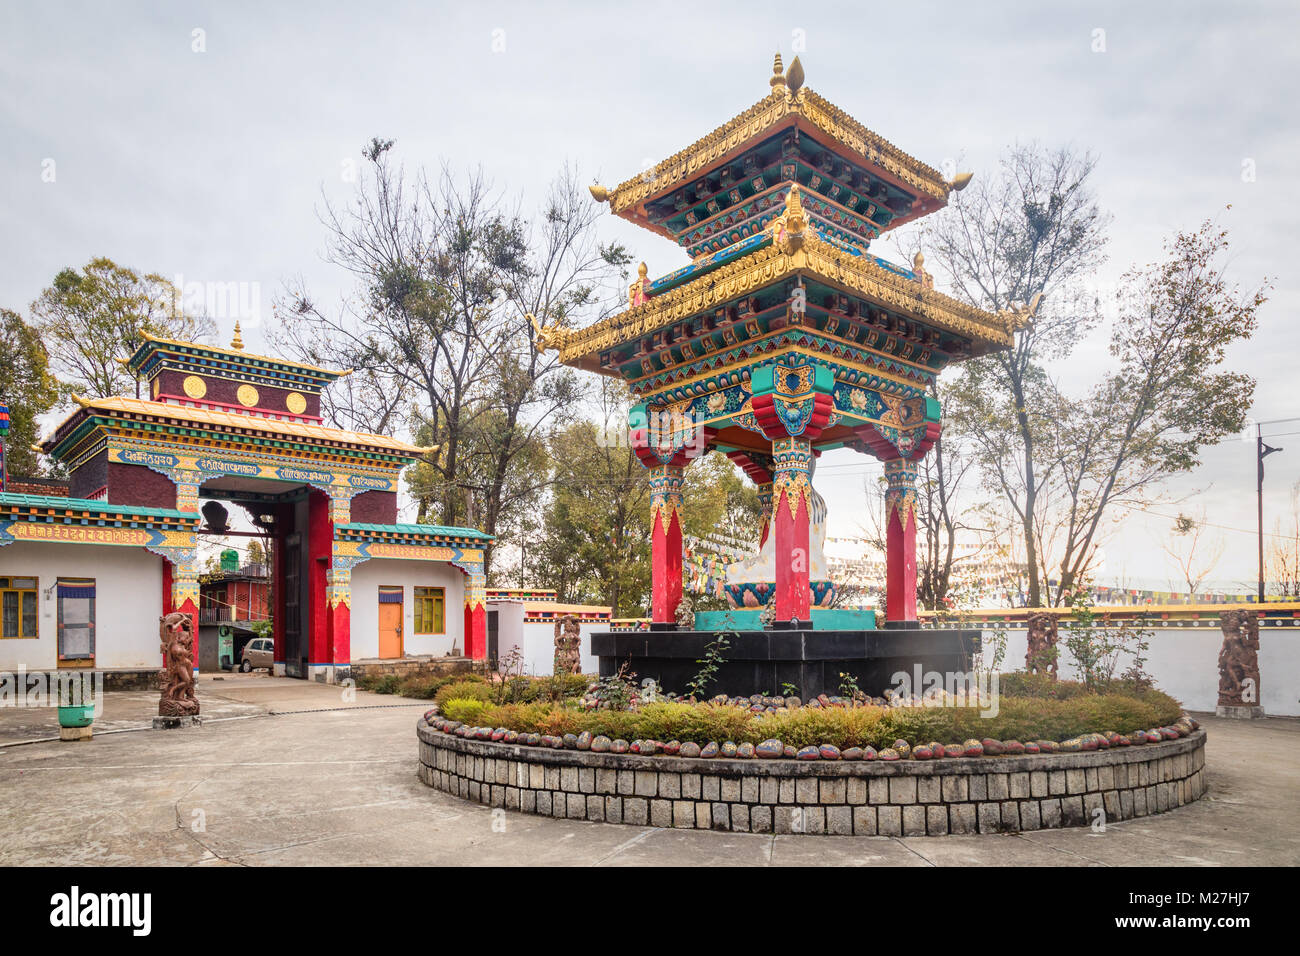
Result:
{"points": [[865, 798]]}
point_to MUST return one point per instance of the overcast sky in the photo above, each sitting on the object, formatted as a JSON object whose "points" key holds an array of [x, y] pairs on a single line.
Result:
{"points": [[195, 139]]}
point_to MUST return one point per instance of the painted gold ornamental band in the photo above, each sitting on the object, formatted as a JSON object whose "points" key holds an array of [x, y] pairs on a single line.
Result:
{"points": [[903, 798]]}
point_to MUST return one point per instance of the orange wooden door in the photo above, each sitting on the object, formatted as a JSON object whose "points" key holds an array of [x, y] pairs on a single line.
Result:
{"points": [[390, 630]]}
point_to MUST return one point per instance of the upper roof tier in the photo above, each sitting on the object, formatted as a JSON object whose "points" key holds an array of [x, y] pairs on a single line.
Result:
{"points": [[729, 185]]}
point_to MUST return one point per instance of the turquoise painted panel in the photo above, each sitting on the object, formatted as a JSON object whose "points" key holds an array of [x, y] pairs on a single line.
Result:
{"points": [[737, 619], [843, 619]]}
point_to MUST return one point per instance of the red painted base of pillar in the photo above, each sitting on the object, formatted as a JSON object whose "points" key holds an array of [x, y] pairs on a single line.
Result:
{"points": [[320, 542], [665, 570], [900, 567], [341, 634], [476, 632], [792, 598]]}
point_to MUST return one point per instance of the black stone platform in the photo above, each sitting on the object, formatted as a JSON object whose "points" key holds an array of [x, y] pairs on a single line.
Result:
{"points": [[763, 661]]}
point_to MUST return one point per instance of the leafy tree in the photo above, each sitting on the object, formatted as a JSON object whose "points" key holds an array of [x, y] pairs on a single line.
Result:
{"points": [[27, 387], [1170, 393], [92, 321], [437, 330]]}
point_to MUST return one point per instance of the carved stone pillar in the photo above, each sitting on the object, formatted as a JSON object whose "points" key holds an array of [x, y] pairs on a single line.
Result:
{"points": [[1239, 693]]}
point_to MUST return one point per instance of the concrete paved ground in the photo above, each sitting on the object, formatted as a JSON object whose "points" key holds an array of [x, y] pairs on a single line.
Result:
{"points": [[297, 775]]}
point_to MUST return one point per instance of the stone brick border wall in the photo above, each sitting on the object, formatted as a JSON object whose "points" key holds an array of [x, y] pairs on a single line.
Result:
{"points": [[904, 798], [414, 667]]}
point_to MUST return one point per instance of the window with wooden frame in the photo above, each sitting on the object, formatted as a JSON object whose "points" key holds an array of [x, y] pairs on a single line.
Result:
{"points": [[76, 619], [429, 611], [18, 617]]}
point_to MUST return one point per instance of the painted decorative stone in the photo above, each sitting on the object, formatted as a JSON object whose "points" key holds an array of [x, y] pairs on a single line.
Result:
{"points": [[1072, 746], [1031, 747], [728, 749], [584, 740], [992, 748], [823, 700], [570, 741], [483, 733], [690, 749], [791, 752], [814, 702], [973, 748], [851, 753], [770, 749], [954, 750], [534, 739], [1122, 740], [649, 748], [904, 749], [1090, 742], [829, 752], [499, 734], [869, 753], [936, 749], [710, 750], [429, 715], [673, 748], [889, 753], [601, 744], [922, 752], [809, 753], [745, 751], [1112, 738], [1014, 747], [619, 746]]}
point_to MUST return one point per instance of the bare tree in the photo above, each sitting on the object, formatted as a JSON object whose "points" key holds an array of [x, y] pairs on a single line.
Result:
{"points": [[1195, 556], [1029, 232]]}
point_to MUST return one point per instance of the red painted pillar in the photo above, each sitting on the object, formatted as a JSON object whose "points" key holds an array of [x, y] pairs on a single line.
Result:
{"points": [[791, 508], [900, 541], [283, 520], [665, 543], [320, 544]]}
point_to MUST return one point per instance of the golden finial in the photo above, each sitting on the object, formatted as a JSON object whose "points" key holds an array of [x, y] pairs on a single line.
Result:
{"points": [[918, 268], [237, 343], [598, 192], [778, 72], [794, 210], [794, 75], [642, 271]]}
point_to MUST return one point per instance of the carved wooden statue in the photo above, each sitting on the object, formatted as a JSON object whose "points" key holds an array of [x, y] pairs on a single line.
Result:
{"points": [[176, 632], [1040, 655], [568, 645], [1239, 659]]}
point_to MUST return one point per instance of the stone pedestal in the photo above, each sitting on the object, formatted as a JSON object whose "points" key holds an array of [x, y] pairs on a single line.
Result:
{"points": [[812, 660], [1239, 712], [75, 733], [175, 723]]}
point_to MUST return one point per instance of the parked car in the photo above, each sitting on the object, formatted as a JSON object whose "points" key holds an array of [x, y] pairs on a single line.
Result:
{"points": [[259, 652]]}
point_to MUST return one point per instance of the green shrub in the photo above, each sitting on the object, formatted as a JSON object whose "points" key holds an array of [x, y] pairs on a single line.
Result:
{"points": [[466, 690], [1017, 718], [466, 710], [384, 684]]}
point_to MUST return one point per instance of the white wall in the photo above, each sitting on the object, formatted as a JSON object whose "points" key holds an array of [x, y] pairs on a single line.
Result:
{"points": [[366, 580], [128, 602], [1185, 665], [537, 644]]}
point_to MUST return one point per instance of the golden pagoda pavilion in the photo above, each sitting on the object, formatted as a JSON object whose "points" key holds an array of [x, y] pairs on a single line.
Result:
{"points": [[783, 338]]}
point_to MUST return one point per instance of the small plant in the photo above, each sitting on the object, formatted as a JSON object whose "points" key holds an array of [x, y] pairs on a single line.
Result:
{"points": [[387, 684], [466, 710], [789, 690], [849, 686], [463, 690], [715, 654], [509, 667], [617, 692]]}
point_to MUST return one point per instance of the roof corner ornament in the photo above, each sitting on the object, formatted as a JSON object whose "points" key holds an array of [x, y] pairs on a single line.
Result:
{"points": [[598, 192], [638, 293], [789, 227], [918, 267], [1021, 316], [959, 182], [237, 343], [544, 338]]}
